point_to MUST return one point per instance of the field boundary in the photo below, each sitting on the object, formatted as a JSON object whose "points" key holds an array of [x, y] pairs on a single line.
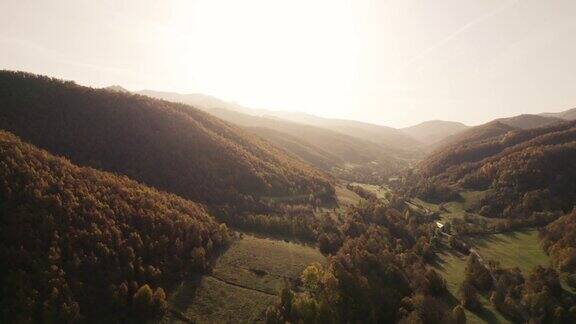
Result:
{"points": [[242, 286]]}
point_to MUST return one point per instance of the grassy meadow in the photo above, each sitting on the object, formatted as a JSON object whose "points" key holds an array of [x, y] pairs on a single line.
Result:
{"points": [[515, 249], [245, 280]]}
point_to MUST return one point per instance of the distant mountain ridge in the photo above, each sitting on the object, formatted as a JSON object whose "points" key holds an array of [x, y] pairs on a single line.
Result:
{"points": [[117, 88], [346, 156], [569, 114], [390, 137], [382, 135], [197, 100], [529, 121], [433, 131]]}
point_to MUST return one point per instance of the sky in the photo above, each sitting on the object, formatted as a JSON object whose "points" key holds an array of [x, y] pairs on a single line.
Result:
{"points": [[389, 62]]}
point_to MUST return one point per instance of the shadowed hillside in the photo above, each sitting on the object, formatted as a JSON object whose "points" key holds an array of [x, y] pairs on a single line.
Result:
{"points": [[77, 244], [170, 146], [528, 171], [477, 133]]}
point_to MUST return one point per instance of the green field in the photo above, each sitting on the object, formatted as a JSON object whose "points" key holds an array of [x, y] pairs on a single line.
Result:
{"points": [[452, 265], [346, 197], [455, 209], [209, 300], [263, 263], [379, 191], [515, 249], [245, 280]]}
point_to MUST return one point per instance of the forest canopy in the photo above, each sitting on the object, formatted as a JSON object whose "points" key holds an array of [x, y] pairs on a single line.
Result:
{"points": [[80, 244]]}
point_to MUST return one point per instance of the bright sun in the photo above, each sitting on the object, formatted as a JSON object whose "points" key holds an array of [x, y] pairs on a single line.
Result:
{"points": [[237, 50]]}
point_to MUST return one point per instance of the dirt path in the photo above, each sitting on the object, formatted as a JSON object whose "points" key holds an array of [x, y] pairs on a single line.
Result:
{"points": [[242, 286]]}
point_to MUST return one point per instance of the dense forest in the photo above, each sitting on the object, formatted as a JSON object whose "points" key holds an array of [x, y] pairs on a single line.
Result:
{"points": [[380, 272], [537, 298], [170, 146], [559, 240], [377, 272], [77, 244], [528, 172]]}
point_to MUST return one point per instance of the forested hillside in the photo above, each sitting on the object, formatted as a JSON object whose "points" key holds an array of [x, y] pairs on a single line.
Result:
{"points": [[170, 146], [344, 156], [77, 244], [528, 171], [477, 133], [559, 240]]}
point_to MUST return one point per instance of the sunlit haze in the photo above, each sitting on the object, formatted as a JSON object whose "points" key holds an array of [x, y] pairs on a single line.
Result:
{"points": [[394, 63]]}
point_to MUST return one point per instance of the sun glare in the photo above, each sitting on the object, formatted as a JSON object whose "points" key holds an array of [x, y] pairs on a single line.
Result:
{"points": [[238, 50]]}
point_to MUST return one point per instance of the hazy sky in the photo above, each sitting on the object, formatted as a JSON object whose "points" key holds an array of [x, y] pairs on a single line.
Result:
{"points": [[392, 62]]}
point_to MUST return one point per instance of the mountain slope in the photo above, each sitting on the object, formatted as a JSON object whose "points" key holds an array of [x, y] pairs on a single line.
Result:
{"points": [[389, 137], [473, 134], [116, 88], [528, 171], [76, 243], [347, 156], [527, 121], [198, 100], [306, 151], [569, 114], [430, 132], [170, 146]]}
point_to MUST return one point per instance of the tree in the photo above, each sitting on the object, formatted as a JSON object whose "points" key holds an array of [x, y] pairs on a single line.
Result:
{"points": [[459, 315], [469, 295], [159, 302], [143, 301]]}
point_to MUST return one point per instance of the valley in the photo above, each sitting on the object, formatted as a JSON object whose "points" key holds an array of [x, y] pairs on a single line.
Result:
{"points": [[287, 162], [220, 215]]}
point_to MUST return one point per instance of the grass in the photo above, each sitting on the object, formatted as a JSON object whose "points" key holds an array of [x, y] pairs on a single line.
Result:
{"points": [[209, 300], [263, 263], [455, 209], [245, 280], [515, 249], [380, 191], [346, 197], [452, 265]]}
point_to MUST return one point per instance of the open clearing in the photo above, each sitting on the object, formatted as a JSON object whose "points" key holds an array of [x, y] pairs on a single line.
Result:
{"points": [[244, 282], [456, 209], [379, 191], [346, 197], [515, 249]]}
